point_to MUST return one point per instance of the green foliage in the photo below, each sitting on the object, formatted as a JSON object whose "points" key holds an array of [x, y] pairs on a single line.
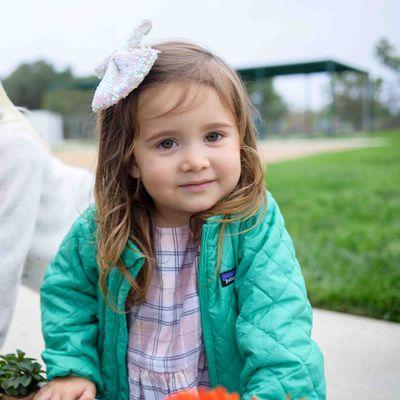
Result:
{"points": [[385, 53], [343, 213], [75, 107], [359, 98], [39, 85], [356, 94], [28, 84], [269, 103], [66, 101], [19, 375]]}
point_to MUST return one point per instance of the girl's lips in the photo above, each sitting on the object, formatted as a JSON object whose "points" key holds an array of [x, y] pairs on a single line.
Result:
{"points": [[197, 188]]}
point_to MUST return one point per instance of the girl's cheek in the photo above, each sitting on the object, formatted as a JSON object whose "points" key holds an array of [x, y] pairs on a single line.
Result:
{"points": [[230, 159], [158, 171]]}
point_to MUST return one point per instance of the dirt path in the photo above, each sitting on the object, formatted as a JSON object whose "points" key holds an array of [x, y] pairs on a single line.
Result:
{"points": [[288, 149], [271, 151]]}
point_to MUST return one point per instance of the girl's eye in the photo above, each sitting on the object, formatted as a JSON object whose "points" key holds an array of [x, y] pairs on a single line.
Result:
{"points": [[214, 136], [168, 143]]}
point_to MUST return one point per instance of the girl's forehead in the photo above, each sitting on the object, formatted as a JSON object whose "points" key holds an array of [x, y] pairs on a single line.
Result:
{"points": [[172, 99]]}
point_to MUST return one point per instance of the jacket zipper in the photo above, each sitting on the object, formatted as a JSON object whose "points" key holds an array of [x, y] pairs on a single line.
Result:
{"points": [[116, 329], [202, 278], [116, 374]]}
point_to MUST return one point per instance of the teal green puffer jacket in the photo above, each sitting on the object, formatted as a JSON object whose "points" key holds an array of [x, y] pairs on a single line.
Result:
{"points": [[255, 314]]}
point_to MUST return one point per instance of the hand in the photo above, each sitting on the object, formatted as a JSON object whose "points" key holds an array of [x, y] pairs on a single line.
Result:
{"points": [[67, 388]]}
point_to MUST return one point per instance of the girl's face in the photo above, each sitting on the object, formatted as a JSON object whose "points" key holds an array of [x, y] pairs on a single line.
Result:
{"points": [[175, 151]]}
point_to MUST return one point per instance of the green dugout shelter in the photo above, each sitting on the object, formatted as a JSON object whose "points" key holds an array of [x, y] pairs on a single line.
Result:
{"points": [[330, 67]]}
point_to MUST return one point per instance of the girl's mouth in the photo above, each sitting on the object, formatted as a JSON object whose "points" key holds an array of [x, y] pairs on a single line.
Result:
{"points": [[197, 188]]}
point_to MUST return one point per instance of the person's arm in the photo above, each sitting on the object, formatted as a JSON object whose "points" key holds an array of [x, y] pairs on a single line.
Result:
{"points": [[69, 307], [273, 329], [21, 173]]}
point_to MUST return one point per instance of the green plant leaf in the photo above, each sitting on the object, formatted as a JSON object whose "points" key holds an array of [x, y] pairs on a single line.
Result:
{"points": [[19, 374]]}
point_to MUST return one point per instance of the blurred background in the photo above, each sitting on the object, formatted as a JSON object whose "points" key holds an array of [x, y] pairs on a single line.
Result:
{"points": [[325, 79], [311, 68]]}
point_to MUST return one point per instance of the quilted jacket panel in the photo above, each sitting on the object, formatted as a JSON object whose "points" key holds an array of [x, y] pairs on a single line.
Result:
{"points": [[257, 328]]}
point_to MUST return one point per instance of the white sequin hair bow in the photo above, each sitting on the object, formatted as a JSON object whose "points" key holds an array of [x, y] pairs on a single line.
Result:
{"points": [[124, 69]]}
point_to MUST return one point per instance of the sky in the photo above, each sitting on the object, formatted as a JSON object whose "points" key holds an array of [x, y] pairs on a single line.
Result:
{"points": [[245, 33]]}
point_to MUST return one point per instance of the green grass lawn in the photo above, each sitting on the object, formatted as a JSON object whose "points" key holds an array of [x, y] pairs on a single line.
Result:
{"points": [[343, 213]]}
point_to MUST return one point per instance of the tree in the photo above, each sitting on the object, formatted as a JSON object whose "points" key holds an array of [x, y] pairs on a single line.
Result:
{"points": [[75, 107], [28, 84], [357, 98], [270, 105], [39, 85], [385, 53]]}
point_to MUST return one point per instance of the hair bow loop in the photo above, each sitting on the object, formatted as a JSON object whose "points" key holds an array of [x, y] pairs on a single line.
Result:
{"points": [[139, 33], [123, 70]]}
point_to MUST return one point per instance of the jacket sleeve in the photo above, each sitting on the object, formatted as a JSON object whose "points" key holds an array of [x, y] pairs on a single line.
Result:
{"points": [[69, 307], [273, 329]]}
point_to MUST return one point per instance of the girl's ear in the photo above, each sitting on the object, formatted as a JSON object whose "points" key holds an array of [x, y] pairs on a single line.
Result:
{"points": [[134, 170]]}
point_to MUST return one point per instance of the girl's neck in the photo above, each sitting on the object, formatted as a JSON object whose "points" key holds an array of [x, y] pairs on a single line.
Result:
{"points": [[159, 222]]}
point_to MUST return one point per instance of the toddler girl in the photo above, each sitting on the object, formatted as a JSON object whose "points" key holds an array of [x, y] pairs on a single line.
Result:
{"points": [[182, 275]]}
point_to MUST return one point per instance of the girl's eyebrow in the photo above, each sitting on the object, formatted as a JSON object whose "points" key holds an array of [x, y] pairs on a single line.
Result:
{"points": [[211, 125]]}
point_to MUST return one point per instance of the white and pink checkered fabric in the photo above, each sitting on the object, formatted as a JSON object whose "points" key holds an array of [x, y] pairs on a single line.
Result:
{"points": [[166, 352]]}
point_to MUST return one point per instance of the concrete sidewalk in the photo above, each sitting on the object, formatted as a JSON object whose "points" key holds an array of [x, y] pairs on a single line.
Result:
{"points": [[362, 355]]}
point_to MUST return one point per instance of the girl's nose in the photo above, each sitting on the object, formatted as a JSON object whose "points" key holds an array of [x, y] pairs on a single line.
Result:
{"points": [[194, 160]]}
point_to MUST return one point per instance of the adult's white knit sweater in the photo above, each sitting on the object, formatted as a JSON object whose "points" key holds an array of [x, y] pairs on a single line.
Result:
{"points": [[39, 199]]}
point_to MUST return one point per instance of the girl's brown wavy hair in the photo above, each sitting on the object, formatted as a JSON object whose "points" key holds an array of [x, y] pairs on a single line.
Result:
{"points": [[124, 207]]}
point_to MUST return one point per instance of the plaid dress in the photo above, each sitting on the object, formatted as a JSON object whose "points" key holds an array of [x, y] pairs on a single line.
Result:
{"points": [[166, 351]]}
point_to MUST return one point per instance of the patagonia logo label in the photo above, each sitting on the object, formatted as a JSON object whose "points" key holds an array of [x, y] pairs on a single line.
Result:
{"points": [[227, 277]]}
